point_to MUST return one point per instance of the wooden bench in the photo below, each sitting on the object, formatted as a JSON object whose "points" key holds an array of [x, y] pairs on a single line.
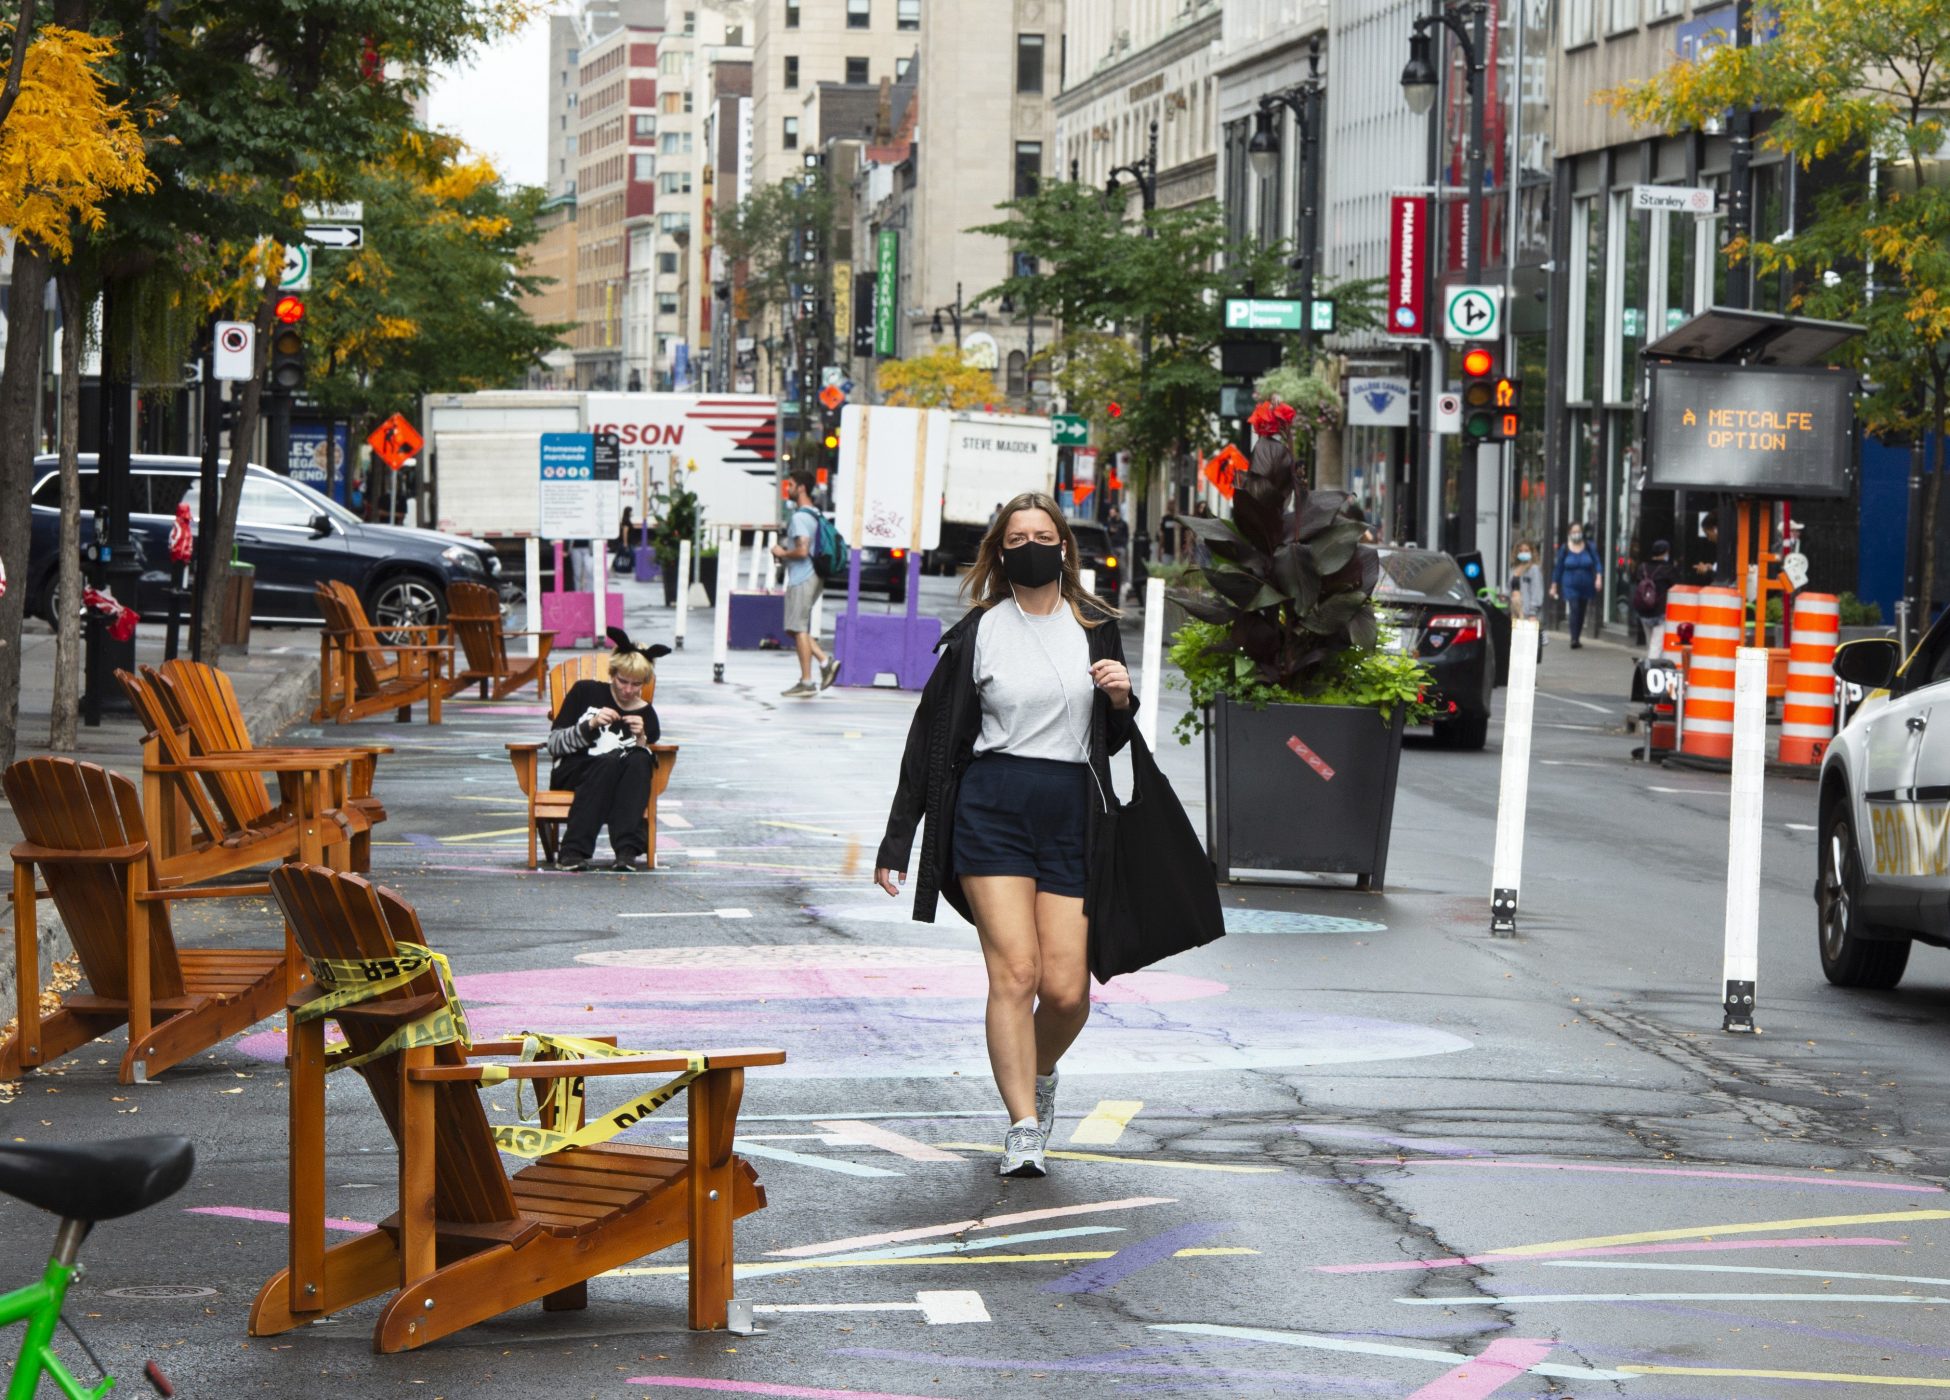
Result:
{"points": [[86, 837], [548, 808], [205, 799], [474, 617], [467, 1242], [360, 676]]}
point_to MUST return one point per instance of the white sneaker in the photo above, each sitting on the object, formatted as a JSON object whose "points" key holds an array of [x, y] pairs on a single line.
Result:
{"points": [[1046, 1104], [1022, 1152]]}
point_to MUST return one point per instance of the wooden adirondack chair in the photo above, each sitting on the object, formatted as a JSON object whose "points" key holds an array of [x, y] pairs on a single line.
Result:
{"points": [[548, 809], [85, 834], [474, 614], [468, 1243], [204, 795], [360, 676]]}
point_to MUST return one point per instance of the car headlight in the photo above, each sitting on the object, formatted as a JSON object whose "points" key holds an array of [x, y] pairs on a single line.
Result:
{"points": [[463, 558], [494, 563], [1110, 561]]}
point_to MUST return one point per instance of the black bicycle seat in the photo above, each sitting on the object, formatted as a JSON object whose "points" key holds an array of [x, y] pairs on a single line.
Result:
{"points": [[97, 1180]]}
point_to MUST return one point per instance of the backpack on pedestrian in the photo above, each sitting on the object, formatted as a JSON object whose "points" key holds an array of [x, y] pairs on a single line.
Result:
{"points": [[829, 551], [1646, 599]]}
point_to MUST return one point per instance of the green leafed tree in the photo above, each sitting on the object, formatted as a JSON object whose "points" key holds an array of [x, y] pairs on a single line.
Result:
{"points": [[1847, 88]]}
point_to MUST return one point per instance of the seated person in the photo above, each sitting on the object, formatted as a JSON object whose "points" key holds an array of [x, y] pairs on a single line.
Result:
{"points": [[601, 747]]}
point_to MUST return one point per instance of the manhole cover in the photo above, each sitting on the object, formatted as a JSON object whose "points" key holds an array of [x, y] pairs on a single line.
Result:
{"points": [[1276, 921], [163, 1290]]}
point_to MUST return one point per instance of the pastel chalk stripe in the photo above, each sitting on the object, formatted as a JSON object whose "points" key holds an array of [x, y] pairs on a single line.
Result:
{"points": [[869, 1135], [1827, 1377], [802, 1392], [1694, 1247], [1750, 1227], [1096, 1277], [956, 1227], [1105, 1123], [1502, 1361], [278, 1217], [1608, 1169]]}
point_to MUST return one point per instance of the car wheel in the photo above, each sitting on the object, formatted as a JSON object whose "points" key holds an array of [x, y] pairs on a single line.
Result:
{"points": [[1851, 956], [1464, 731], [404, 600]]}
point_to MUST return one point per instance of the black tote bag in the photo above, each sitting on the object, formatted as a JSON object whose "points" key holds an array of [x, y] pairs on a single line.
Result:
{"points": [[1151, 890]]}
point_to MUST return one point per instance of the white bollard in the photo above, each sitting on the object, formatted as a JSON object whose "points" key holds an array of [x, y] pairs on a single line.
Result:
{"points": [[1519, 704], [1742, 961], [1151, 680], [760, 543], [599, 606], [531, 582], [683, 594], [727, 585]]}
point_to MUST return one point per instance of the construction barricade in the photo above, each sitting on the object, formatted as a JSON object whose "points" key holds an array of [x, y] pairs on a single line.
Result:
{"points": [[1808, 709], [1706, 726]]}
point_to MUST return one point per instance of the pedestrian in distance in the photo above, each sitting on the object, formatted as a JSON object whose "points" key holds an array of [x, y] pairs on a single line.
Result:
{"points": [[1008, 760], [1705, 553], [1119, 535], [601, 750], [1574, 578], [1526, 581], [1656, 576], [803, 585]]}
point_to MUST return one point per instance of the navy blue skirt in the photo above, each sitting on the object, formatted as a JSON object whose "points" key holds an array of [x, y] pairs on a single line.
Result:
{"points": [[1024, 816]]}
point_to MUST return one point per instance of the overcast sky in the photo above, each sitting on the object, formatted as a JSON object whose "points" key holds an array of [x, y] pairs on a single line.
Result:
{"points": [[499, 104]]}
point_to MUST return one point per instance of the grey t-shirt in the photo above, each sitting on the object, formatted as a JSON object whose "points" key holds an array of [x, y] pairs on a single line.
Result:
{"points": [[1033, 676], [804, 525]]}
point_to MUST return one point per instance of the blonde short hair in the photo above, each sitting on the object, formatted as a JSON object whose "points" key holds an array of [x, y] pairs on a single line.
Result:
{"points": [[631, 666]]}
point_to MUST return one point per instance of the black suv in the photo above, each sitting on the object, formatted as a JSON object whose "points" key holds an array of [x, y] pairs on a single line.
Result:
{"points": [[1094, 551], [291, 534]]}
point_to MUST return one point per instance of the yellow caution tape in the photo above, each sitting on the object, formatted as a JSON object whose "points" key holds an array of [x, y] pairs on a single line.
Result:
{"points": [[349, 981], [563, 1099]]}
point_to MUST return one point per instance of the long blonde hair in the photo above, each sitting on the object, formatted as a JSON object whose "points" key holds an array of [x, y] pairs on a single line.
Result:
{"points": [[987, 585]]}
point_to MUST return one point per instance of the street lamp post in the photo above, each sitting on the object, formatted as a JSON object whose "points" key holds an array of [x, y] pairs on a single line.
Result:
{"points": [[1419, 79], [1303, 99], [1145, 172], [954, 313]]}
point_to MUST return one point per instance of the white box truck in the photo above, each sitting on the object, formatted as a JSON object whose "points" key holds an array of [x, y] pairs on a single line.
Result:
{"points": [[991, 457]]}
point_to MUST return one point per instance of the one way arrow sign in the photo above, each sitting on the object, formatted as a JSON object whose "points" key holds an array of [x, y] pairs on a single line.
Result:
{"points": [[336, 235]]}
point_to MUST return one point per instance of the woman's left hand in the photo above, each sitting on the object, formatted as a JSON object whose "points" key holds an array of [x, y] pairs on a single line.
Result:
{"points": [[1111, 678]]}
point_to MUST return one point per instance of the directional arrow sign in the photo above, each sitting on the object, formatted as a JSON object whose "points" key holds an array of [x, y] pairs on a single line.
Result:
{"points": [[1070, 430], [336, 235], [1474, 313], [297, 268]]}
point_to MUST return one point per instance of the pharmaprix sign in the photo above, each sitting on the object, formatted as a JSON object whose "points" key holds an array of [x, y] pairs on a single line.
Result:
{"points": [[1408, 233]]}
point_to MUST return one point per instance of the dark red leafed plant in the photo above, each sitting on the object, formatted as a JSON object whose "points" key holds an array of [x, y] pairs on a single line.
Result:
{"points": [[1292, 581]]}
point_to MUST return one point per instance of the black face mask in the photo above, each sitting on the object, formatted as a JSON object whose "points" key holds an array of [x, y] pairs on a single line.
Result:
{"points": [[1032, 565]]}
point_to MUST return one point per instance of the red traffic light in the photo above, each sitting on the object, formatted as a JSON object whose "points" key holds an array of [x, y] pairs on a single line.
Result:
{"points": [[1478, 362], [289, 310]]}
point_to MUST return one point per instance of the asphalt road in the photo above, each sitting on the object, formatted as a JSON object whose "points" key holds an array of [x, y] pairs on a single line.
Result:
{"points": [[1282, 1158]]}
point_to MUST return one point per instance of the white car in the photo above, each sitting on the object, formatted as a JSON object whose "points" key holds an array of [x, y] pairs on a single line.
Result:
{"points": [[1885, 813]]}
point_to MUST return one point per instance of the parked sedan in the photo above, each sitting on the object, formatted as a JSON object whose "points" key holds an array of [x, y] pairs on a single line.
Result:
{"points": [[881, 571], [1438, 618], [1883, 881], [289, 533]]}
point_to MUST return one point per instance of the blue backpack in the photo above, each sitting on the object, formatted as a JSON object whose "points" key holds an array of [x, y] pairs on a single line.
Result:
{"points": [[829, 554]]}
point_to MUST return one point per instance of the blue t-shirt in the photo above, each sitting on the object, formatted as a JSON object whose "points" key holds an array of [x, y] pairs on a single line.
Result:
{"points": [[803, 526]]}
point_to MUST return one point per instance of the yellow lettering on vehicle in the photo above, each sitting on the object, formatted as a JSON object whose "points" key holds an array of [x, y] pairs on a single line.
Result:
{"points": [[1910, 839]]}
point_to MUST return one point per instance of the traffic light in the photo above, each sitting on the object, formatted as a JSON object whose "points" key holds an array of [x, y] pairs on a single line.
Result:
{"points": [[829, 433], [1480, 378], [288, 345], [1509, 409]]}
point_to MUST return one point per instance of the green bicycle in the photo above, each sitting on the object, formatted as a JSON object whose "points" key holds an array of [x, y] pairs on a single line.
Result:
{"points": [[82, 1184]]}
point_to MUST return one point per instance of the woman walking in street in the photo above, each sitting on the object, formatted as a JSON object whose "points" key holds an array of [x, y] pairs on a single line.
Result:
{"points": [[1526, 581], [1575, 579], [1008, 759]]}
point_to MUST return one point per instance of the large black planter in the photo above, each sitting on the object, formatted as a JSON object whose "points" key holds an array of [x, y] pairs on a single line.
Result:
{"points": [[668, 572], [1300, 789], [707, 574]]}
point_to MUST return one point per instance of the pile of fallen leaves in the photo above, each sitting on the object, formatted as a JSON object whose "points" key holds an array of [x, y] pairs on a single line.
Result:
{"points": [[64, 976]]}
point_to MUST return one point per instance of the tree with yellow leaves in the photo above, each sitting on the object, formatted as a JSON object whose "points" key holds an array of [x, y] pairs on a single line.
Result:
{"points": [[1852, 89], [938, 379]]}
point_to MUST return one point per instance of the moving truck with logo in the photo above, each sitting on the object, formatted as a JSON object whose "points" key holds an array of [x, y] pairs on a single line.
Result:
{"points": [[991, 457], [483, 455]]}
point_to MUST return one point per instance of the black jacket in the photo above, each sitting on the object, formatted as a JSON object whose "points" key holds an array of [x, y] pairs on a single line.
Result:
{"points": [[940, 744]]}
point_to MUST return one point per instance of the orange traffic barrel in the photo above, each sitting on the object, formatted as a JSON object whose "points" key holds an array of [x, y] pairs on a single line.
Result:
{"points": [[1808, 708], [1706, 715], [1682, 605]]}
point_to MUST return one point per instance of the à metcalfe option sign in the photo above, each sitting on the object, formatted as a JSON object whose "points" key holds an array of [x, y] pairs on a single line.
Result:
{"points": [[1753, 430]]}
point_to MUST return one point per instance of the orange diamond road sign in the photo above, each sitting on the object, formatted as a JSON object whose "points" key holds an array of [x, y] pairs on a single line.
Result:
{"points": [[831, 396], [395, 440]]}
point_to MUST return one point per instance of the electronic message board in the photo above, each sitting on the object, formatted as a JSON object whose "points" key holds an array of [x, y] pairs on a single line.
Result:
{"points": [[1750, 430]]}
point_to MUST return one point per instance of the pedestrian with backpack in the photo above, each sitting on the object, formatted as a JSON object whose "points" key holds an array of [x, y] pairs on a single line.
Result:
{"points": [[809, 542], [1656, 577]]}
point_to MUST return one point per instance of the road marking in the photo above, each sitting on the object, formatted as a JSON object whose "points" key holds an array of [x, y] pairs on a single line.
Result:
{"points": [[938, 1307], [799, 1392], [691, 914], [1095, 1278], [1501, 1362], [278, 1217], [1106, 1122], [1460, 1261], [888, 1141], [829, 1164], [1750, 1269], [1504, 1300], [1690, 792], [1313, 1342], [1581, 704], [485, 835], [1133, 1161], [1850, 1182], [1573, 762], [1799, 826], [1752, 1227], [671, 819], [1831, 1377], [956, 1227]]}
